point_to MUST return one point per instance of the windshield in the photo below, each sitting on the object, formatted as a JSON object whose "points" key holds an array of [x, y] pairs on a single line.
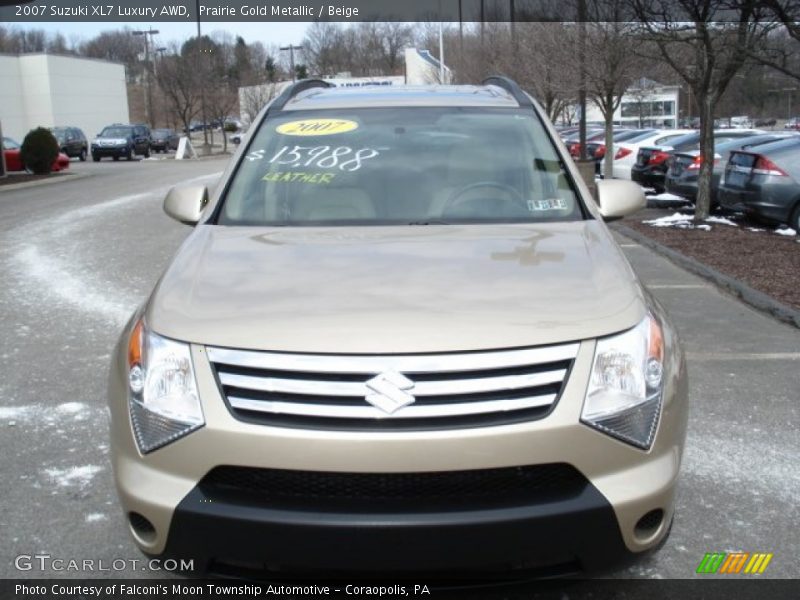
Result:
{"points": [[116, 132], [399, 166], [59, 133], [10, 144], [162, 133]]}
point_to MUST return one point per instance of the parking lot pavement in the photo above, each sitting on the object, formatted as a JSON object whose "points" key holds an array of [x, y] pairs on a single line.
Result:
{"points": [[76, 259]]}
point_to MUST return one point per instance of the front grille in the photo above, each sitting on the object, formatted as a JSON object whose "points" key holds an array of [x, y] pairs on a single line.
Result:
{"points": [[508, 486], [392, 392]]}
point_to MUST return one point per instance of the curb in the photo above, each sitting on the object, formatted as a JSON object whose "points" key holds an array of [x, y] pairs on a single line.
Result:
{"points": [[758, 300], [51, 180]]}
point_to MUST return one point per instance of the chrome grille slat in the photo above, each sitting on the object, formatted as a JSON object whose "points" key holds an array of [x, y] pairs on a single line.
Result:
{"points": [[397, 391], [415, 411], [422, 388], [423, 363]]}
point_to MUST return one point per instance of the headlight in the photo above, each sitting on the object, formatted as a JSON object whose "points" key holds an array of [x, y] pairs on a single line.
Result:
{"points": [[162, 392], [626, 385]]}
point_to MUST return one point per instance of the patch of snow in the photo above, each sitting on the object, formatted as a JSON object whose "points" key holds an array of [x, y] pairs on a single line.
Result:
{"points": [[9, 413], [94, 517], [73, 476], [71, 408], [667, 197], [788, 231], [755, 229], [670, 220], [721, 220], [703, 227]]}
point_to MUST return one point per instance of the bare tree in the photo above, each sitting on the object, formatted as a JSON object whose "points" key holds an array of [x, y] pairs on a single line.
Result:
{"points": [[178, 81], [706, 42], [781, 50]]}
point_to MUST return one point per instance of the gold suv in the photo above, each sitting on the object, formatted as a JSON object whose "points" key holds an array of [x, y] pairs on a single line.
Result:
{"points": [[399, 338]]}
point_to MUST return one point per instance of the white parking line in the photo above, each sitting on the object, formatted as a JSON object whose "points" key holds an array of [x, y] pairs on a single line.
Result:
{"points": [[676, 286], [719, 356]]}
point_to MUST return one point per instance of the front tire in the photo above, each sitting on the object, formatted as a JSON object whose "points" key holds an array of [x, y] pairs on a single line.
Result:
{"points": [[794, 222], [82, 155], [129, 154], [147, 153], [116, 157], [95, 158]]}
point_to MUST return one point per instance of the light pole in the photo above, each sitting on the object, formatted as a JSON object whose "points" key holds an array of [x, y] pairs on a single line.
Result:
{"points": [[291, 50], [148, 108]]}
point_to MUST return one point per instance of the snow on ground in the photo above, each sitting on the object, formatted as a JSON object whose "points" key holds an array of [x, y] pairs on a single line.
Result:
{"points": [[73, 476], [675, 219], [787, 231], [721, 220], [666, 197], [94, 517]]}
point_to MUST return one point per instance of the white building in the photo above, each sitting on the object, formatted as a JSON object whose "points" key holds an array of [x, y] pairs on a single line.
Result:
{"points": [[51, 90], [647, 103]]}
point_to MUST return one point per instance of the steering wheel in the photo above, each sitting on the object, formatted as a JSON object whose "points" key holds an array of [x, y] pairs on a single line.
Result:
{"points": [[456, 198]]}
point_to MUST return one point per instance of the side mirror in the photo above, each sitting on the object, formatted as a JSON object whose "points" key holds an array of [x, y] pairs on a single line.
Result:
{"points": [[618, 198], [186, 204]]}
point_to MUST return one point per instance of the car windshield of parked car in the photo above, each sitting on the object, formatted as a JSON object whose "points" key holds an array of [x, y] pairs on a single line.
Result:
{"points": [[116, 132], [161, 133], [9, 144], [400, 166], [59, 133]]}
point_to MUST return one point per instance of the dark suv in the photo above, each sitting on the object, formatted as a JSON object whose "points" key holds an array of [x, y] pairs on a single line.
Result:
{"points": [[71, 141], [122, 141]]}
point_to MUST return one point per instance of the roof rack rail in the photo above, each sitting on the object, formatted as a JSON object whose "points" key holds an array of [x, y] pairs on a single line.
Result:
{"points": [[511, 87], [294, 89]]}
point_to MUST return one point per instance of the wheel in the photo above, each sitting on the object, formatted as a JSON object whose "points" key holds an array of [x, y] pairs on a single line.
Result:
{"points": [[794, 222], [147, 153], [129, 154], [82, 155], [95, 158], [116, 157]]}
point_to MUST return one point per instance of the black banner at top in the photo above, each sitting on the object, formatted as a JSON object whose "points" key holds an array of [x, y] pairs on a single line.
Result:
{"points": [[221, 11]]}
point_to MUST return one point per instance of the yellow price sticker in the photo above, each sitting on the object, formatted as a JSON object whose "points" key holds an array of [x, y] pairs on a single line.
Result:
{"points": [[317, 127]]}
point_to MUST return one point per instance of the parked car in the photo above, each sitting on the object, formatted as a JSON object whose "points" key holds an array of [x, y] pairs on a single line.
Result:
{"points": [[122, 141], [162, 140], [652, 161], [765, 182], [793, 124], [766, 122], [72, 141], [238, 137], [682, 174], [396, 324], [626, 152], [596, 149], [11, 152]]}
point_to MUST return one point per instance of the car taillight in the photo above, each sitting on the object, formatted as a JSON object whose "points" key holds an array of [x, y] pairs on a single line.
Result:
{"points": [[622, 153], [600, 152], [658, 157], [574, 149], [765, 166], [698, 160]]}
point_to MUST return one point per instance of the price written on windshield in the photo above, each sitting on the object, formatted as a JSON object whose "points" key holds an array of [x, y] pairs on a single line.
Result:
{"points": [[344, 158]]}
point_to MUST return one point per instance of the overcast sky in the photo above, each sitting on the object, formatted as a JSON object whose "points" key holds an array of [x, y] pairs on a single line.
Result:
{"points": [[266, 33]]}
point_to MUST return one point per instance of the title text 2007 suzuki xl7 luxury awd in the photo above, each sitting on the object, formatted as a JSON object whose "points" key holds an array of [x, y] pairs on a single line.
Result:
{"points": [[399, 338]]}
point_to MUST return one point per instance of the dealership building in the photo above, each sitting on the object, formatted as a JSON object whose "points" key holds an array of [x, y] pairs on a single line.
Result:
{"points": [[52, 90], [647, 103]]}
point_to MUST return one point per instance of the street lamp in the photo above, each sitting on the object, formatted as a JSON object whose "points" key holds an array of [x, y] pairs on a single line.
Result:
{"points": [[148, 108], [291, 50]]}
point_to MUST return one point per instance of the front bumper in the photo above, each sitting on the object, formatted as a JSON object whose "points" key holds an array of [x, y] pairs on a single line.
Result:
{"points": [[589, 530], [648, 177], [110, 151]]}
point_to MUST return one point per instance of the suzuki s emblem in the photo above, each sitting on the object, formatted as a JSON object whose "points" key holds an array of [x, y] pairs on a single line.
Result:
{"points": [[389, 391]]}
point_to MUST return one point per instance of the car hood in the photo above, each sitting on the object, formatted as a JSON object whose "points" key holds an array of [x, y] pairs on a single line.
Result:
{"points": [[386, 289]]}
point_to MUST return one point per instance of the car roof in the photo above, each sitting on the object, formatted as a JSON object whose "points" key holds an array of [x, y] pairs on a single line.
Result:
{"points": [[403, 95], [788, 143]]}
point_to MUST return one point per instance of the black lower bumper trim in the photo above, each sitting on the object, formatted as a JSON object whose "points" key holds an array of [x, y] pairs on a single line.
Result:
{"points": [[575, 534]]}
